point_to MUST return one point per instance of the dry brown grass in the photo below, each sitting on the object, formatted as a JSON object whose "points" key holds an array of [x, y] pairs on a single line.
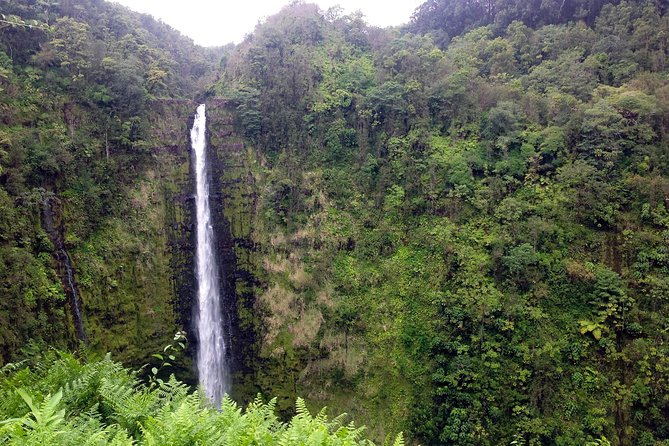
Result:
{"points": [[278, 239], [276, 267], [578, 271], [306, 327], [299, 278], [305, 234], [280, 303], [324, 297]]}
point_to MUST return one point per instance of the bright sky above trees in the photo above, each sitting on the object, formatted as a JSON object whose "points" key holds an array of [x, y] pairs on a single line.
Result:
{"points": [[212, 22]]}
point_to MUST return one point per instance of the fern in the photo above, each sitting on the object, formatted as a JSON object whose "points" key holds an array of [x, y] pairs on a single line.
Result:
{"points": [[43, 424], [47, 416], [63, 401], [126, 404]]}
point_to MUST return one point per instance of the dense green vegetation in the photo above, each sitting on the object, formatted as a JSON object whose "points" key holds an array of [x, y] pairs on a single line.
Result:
{"points": [[446, 19], [471, 239], [460, 229], [79, 84], [56, 399]]}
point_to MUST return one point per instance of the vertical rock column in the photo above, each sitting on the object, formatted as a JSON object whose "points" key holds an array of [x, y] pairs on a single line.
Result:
{"points": [[233, 210]]}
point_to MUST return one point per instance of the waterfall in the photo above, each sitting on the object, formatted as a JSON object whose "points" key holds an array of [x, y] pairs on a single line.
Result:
{"points": [[212, 369], [64, 261], [72, 286]]}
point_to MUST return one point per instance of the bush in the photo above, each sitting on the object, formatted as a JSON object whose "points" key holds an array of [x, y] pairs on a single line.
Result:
{"points": [[58, 399]]}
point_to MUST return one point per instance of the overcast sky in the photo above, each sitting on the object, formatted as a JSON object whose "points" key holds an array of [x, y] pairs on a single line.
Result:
{"points": [[217, 22]]}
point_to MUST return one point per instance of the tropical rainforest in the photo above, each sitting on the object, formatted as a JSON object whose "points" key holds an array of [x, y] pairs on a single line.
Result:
{"points": [[457, 229]]}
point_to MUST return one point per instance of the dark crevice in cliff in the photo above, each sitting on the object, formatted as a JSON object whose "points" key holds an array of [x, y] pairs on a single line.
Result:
{"points": [[225, 256], [235, 248]]}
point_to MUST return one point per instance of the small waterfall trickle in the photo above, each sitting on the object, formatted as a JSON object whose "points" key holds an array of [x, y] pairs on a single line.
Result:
{"points": [[64, 261], [211, 362], [74, 294]]}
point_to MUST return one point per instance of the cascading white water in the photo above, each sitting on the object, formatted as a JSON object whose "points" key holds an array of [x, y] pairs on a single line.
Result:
{"points": [[211, 363]]}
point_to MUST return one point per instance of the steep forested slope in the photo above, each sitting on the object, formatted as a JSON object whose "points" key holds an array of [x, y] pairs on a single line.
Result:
{"points": [[458, 229], [446, 19], [468, 242], [89, 125]]}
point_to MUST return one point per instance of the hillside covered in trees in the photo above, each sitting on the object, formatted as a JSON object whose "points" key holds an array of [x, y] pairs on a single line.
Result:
{"points": [[458, 229]]}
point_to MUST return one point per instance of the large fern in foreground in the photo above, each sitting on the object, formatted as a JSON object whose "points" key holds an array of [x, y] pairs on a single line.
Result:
{"points": [[61, 400]]}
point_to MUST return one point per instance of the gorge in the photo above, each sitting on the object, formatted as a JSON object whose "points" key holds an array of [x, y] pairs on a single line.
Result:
{"points": [[456, 229]]}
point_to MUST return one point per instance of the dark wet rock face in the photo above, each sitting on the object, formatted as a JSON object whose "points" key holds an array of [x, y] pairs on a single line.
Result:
{"points": [[233, 204]]}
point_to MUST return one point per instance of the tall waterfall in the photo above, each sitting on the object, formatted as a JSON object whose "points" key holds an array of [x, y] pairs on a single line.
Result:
{"points": [[211, 365]]}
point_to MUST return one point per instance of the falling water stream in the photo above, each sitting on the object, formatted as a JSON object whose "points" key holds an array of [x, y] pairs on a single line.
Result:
{"points": [[71, 284], [211, 365], [63, 258]]}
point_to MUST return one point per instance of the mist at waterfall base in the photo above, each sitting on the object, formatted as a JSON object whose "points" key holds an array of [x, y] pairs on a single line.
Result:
{"points": [[212, 369]]}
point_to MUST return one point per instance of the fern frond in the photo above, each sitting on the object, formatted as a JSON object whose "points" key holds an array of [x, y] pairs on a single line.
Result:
{"points": [[301, 408], [322, 416], [338, 421]]}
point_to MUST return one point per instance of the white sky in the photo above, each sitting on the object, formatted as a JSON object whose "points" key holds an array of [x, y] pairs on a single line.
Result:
{"points": [[217, 22]]}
